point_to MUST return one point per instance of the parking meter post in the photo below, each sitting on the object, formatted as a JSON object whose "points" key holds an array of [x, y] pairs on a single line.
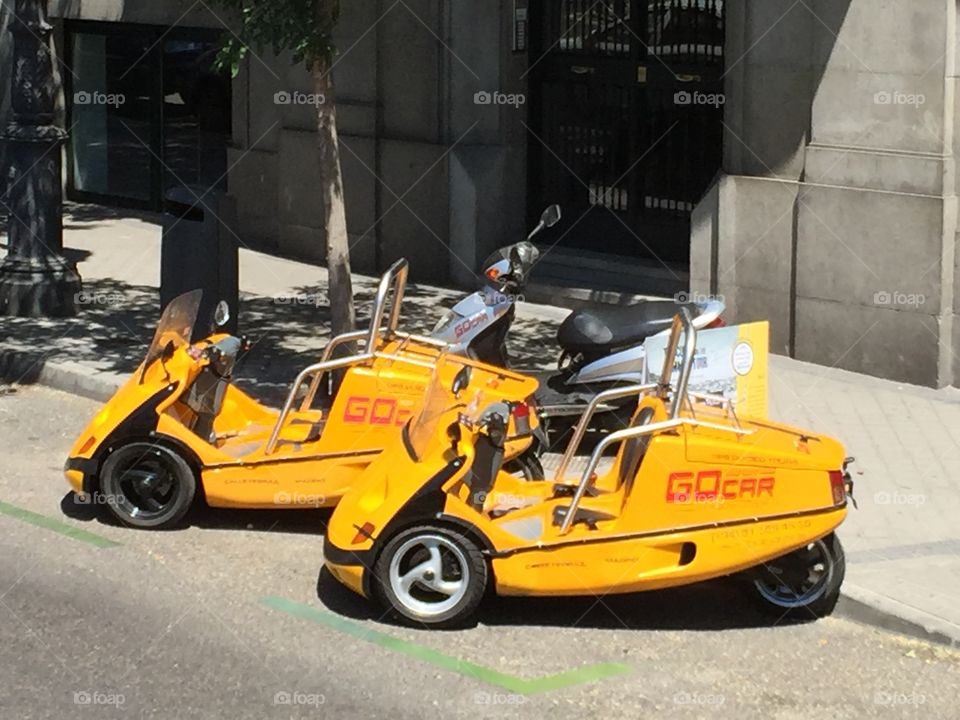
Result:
{"points": [[199, 251]]}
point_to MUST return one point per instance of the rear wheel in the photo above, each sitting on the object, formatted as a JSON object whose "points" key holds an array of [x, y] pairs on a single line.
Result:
{"points": [[146, 485], [432, 576], [527, 466], [804, 583]]}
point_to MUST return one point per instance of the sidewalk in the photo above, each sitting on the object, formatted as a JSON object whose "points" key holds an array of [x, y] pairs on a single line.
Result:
{"points": [[903, 544]]}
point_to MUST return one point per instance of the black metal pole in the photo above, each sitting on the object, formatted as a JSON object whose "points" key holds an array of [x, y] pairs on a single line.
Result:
{"points": [[35, 279]]}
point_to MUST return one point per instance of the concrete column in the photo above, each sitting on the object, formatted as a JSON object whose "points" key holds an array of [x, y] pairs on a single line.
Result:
{"points": [[836, 216]]}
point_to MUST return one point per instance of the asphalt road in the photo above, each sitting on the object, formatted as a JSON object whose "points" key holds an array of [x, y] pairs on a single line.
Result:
{"points": [[231, 618]]}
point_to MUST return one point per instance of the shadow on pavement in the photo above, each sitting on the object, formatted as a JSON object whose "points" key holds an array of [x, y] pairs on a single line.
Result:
{"points": [[305, 522], [116, 323], [715, 605]]}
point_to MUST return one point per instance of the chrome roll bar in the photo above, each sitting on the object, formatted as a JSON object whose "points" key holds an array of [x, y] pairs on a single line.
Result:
{"points": [[394, 279], [682, 324], [581, 428], [627, 434]]}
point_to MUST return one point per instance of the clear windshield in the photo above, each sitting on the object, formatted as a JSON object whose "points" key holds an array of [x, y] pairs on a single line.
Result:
{"points": [[175, 326], [438, 402]]}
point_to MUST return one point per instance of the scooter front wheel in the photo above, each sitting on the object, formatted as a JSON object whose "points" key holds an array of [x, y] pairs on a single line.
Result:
{"points": [[804, 584], [147, 486], [433, 576]]}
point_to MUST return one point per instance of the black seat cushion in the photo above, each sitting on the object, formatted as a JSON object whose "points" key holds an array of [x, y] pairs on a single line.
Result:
{"points": [[602, 329]]}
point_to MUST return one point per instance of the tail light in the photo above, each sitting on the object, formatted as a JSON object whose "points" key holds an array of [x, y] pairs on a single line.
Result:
{"points": [[718, 323], [838, 487], [521, 416]]}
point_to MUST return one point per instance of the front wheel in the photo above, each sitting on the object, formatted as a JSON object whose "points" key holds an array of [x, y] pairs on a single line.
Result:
{"points": [[432, 576], [147, 486], [803, 584]]}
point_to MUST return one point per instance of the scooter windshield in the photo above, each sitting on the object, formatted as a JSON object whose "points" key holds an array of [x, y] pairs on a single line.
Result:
{"points": [[176, 326]]}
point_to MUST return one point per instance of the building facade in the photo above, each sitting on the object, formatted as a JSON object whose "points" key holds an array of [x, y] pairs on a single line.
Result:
{"points": [[795, 158]]}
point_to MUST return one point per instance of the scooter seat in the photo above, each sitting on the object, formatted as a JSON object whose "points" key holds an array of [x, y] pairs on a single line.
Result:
{"points": [[599, 330]]}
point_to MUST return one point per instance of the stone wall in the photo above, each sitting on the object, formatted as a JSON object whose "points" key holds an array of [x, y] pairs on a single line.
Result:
{"points": [[836, 213], [428, 174]]}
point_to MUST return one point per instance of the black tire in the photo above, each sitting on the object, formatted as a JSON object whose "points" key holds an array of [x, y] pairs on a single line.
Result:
{"points": [[528, 466], [148, 486], [460, 562], [781, 591]]}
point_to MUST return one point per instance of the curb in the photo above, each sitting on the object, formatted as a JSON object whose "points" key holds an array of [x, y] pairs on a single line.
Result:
{"points": [[869, 608], [25, 368], [856, 603]]}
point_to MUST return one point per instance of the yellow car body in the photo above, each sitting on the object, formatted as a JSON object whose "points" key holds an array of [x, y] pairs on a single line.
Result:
{"points": [[707, 495], [257, 457]]}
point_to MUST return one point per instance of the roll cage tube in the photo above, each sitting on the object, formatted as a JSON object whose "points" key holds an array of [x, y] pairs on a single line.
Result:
{"points": [[375, 337], [682, 324]]}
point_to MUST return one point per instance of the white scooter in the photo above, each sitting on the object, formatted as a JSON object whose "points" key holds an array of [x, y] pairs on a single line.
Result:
{"points": [[600, 348]]}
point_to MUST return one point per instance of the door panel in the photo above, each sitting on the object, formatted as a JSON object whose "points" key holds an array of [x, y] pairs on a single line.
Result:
{"points": [[626, 120]]}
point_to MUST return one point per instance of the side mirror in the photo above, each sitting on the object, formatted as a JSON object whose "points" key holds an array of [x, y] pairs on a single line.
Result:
{"points": [[221, 314], [551, 216], [461, 381]]}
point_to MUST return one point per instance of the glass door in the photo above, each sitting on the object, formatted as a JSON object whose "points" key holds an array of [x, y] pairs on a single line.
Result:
{"points": [[146, 113], [196, 115], [111, 126]]}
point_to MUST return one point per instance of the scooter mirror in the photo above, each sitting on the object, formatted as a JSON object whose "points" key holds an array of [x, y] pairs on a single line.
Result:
{"points": [[221, 315], [461, 381], [551, 216]]}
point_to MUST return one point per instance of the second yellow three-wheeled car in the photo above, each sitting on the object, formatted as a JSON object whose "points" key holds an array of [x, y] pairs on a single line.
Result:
{"points": [[693, 493], [179, 427]]}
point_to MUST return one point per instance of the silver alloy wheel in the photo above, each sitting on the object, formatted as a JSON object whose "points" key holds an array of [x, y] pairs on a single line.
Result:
{"points": [[813, 561], [429, 575]]}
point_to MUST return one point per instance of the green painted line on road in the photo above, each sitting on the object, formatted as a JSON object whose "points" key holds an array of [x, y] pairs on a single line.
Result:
{"points": [[48, 523], [513, 684]]}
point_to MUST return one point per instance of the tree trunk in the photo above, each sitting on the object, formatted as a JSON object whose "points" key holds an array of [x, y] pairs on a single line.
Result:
{"points": [[340, 288]]}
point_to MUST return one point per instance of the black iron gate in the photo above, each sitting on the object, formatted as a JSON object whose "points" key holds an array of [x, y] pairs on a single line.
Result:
{"points": [[626, 119]]}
